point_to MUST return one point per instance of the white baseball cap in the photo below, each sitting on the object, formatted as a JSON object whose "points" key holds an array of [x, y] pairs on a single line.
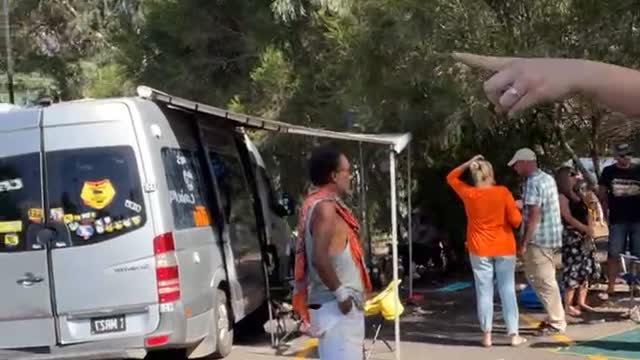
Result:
{"points": [[524, 154]]}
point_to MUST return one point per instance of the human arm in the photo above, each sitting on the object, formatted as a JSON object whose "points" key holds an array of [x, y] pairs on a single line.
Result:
{"points": [[565, 212], [533, 203], [453, 178], [544, 80], [514, 217], [323, 225]]}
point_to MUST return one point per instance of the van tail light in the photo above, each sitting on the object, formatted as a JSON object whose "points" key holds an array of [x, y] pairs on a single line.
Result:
{"points": [[167, 274], [156, 340]]}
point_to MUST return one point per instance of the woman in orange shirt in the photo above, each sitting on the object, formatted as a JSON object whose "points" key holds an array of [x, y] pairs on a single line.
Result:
{"points": [[492, 214]]}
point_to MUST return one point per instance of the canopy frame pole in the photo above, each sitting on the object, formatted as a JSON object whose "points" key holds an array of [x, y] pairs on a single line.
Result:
{"points": [[410, 220], [394, 242]]}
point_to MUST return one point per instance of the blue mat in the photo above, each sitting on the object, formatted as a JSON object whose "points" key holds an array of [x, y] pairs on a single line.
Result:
{"points": [[455, 286], [625, 345], [528, 298]]}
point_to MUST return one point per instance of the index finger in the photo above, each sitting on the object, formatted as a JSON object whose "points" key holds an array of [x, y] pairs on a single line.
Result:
{"points": [[493, 63]]}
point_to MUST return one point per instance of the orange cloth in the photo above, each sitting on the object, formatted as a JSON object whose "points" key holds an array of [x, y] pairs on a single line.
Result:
{"points": [[491, 216], [300, 304]]}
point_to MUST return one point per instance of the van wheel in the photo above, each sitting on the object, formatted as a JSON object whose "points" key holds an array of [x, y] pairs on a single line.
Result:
{"points": [[223, 326]]}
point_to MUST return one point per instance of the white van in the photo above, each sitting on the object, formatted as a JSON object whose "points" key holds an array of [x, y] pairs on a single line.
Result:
{"points": [[128, 225]]}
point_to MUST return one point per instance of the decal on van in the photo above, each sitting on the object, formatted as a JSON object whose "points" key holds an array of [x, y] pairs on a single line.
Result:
{"points": [[98, 194], [181, 197], [85, 231], [11, 185], [136, 220], [11, 240], [68, 218], [200, 216], [74, 226], [10, 226], [132, 206], [35, 215], [187, 176], [57, 214]]}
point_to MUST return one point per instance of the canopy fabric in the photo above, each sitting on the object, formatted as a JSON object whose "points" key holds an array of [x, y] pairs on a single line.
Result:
{"points": [[398, 141]]}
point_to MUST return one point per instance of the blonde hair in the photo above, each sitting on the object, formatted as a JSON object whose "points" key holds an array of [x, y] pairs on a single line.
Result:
{"points": [[481, 170]]}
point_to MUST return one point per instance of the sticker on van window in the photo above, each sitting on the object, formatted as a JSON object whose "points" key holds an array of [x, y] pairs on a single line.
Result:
{"points": [[74, 226], [108, 227], [11, 240], [11, 185], [118, 225], [187, 177], [136, 220], [126, 223], [132, 206], [35, 215], [181, 197], [57, 214], [98, 194], [107, 220], [88, 216], [10, 226], [85, 231], [200, 216], [68, 218]]}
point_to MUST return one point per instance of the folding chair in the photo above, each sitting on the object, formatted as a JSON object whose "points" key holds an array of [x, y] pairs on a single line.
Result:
{"points": [[385, 306], [630, 272]]}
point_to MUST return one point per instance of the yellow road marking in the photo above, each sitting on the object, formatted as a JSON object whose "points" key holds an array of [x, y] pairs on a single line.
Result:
{"points": [[309, 345], [558, 337]]}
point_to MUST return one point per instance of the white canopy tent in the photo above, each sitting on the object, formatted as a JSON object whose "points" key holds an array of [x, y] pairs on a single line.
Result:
{"points": [[396, 143]]}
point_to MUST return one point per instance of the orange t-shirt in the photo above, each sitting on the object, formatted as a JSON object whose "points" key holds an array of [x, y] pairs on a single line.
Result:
{"points": [[491, 216]]}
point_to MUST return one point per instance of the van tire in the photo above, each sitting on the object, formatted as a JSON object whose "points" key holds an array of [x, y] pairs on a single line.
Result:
{"points": [[222, 326]]}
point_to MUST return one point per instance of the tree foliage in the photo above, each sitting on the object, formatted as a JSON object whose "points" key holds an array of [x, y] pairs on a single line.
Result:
{"points": [[353, 65]]}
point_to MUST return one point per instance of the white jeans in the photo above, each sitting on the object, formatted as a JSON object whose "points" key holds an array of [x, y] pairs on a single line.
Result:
{"points": [[340, 337]]}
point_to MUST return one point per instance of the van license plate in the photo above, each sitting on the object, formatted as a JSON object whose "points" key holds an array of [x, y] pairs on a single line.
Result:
{"points": [[108, 324]]}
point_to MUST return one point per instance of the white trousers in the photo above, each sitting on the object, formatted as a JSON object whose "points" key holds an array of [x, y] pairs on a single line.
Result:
{"points": [[340, 337]]}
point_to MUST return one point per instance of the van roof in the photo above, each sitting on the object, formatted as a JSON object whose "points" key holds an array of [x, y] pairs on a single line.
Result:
{"points": [[19, 118]]}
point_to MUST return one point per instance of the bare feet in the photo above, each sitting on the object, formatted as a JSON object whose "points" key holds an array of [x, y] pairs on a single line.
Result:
{"points": [[517, 340], [486, 340], [572, 311], [587, 308]]}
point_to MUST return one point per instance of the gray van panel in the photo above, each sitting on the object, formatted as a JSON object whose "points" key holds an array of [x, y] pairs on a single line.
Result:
{"points": [[117, 275], [26, 314], [21, 119]]}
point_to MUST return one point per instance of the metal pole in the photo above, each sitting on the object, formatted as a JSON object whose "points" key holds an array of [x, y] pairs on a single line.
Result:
{"points": [[410, 207], [363, 201], [394, 242], [7, 36]]}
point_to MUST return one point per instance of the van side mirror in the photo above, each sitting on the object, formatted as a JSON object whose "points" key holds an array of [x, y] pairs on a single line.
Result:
{"points": [[286, 206]]}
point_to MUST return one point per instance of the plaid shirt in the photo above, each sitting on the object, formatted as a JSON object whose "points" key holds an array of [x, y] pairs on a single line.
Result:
{"points": [[540, 189]]}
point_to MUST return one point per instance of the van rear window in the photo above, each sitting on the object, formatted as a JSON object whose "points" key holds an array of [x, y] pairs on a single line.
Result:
{"points": [[95, 192], [20, 200]]}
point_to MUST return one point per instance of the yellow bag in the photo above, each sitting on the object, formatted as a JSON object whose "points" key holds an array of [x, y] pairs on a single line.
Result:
{"points": [[385, 303]]}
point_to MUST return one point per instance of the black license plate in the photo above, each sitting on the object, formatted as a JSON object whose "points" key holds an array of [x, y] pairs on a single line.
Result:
{"points": [[108, 324]]}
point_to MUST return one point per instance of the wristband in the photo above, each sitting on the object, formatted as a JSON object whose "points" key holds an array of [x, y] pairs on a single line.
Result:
{"points": [[342, 293]]}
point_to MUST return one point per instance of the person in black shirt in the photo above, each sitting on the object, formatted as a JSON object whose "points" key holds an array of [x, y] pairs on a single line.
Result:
{"points": [[620, 197]]}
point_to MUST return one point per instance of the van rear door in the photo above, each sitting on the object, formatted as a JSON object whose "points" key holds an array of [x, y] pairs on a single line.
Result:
{"points": [[26, 316], [104, 267]]}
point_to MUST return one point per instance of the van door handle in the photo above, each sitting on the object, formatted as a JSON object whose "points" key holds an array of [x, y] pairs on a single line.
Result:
{"points": [[29, 279]]}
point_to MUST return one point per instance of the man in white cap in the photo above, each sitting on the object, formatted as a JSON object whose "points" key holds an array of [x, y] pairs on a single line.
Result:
{"points": [[541, 237]]}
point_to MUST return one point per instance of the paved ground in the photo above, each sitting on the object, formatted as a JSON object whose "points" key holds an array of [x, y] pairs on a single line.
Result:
{"points": [[446, 327]]}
